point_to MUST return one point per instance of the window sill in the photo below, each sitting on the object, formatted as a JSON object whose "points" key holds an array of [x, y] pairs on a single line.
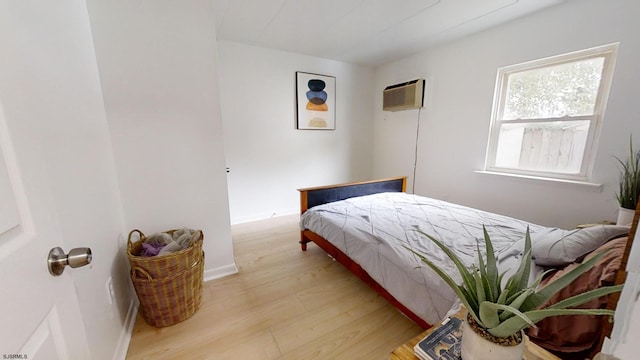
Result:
{"points": [[588, 185]]}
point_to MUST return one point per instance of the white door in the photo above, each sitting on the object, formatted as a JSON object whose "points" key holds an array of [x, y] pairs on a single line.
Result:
{"points": [[40, 313]]}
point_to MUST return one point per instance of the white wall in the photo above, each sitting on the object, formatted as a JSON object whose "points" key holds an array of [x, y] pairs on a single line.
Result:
{"points": [[157, 63], [268, 158], [56, 86], [455, 123]]}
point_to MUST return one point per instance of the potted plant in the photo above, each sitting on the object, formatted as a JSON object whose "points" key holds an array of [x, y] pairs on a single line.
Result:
{"points": [[629, 186], [498, 314]]}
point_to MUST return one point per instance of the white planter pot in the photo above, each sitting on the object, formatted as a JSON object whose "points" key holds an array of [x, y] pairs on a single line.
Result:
{"points": [[625, 217], [475, 347]]}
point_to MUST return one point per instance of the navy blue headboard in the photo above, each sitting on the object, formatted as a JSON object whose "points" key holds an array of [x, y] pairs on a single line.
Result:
{"points": [[311, 197]]}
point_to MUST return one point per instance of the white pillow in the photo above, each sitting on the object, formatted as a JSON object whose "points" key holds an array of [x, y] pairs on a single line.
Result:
{"points": [[561, 247]]}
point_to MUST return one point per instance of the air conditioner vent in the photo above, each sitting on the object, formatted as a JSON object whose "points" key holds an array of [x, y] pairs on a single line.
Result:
{"points": [[405, 96]]}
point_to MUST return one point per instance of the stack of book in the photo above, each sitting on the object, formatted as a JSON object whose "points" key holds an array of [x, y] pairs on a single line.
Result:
{"points": [[442, 343]]}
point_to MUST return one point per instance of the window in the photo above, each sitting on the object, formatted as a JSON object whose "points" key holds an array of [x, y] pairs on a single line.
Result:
{"points": [[547, 114]]}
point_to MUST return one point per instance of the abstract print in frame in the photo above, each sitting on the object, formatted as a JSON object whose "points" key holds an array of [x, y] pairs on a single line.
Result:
{"points": [[315, 101]]}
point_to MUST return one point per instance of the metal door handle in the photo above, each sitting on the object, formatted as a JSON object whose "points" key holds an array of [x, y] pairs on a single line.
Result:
{"points": [[77, 257]]}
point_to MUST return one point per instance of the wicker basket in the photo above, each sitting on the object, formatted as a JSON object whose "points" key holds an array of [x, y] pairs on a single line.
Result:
{"points": [[169, 287]]}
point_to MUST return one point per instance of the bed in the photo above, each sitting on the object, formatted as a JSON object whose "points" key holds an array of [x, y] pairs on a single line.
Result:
{"points": [[367, 225]]}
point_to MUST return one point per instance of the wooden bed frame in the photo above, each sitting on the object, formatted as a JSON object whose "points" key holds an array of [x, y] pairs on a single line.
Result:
{"points": [[621, 276], [310, 197]]}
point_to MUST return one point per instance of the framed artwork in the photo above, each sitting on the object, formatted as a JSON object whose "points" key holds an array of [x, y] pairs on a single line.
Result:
{"points": [[315, 101]]}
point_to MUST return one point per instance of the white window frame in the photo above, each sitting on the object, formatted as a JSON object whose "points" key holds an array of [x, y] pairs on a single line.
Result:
{"points": [[608, 52]]}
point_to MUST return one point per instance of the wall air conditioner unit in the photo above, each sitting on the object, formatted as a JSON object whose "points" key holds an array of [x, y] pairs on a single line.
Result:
{"points": [[405, 96]]}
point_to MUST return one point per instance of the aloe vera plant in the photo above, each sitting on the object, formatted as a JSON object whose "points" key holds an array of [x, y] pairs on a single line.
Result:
{"points": [[629, 189], [506, 310]]}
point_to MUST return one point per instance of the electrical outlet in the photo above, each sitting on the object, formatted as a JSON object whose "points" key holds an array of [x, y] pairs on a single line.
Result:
{"points": [[111, 294]]}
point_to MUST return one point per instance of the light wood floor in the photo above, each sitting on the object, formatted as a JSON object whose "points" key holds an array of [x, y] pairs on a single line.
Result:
{"points": [[283, 304]]}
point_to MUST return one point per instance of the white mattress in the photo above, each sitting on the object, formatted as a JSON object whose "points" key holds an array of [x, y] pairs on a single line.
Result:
{"points": [[373, 229]]}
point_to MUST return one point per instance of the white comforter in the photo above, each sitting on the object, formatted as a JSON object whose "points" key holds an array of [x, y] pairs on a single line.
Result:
{"points": [[373, 230]]}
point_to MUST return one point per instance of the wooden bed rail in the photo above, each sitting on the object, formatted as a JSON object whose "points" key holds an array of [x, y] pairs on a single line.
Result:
{"points": [[358, 271]]}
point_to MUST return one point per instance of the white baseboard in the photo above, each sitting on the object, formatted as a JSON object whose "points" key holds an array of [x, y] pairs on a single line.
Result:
{"points": [[219, 272], [127, 331], [263, 216]]}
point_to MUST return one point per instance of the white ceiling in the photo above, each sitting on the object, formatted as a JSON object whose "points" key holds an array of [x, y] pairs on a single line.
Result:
{"points": [[367, 32]]}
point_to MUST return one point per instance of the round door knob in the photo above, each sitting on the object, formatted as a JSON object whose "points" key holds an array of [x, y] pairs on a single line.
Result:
{"points": [[76, 257]]}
